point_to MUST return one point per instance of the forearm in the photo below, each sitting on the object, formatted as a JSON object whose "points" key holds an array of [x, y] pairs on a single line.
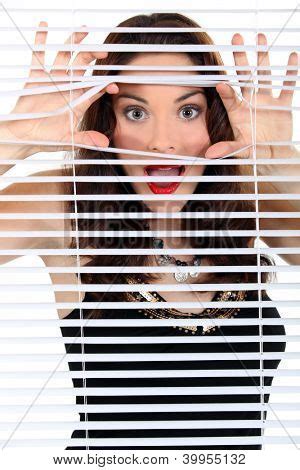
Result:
{"points": [[282, 205], [282, 187]]}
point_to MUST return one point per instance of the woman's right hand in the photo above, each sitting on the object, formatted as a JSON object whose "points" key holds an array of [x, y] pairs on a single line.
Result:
{"points": [[58, 128]]}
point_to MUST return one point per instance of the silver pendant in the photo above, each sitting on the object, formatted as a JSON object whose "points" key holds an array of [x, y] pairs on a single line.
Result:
{"points": [[194, 274], [197, 262], [181, 276]]}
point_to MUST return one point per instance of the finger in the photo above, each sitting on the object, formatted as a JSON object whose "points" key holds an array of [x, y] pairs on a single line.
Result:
{"points": [[38, 57], [263, 60], [240, 59], [220, 149], [229, 98], [85, 58], [92, 138], [63, 57], [112, 89], [286, 96]]}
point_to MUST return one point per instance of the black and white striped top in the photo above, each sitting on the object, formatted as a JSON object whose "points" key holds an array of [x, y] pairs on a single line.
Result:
{"points": [[160, 417]]}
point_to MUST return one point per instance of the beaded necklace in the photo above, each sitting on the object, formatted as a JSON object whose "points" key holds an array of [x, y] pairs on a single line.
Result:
{"points": [[174, 313]]}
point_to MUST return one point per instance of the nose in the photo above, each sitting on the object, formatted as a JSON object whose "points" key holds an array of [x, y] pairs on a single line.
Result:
{"points": [[161, 140]]}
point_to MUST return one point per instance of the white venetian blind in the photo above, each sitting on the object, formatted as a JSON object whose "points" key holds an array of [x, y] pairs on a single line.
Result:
{"points": [[38, 406]]}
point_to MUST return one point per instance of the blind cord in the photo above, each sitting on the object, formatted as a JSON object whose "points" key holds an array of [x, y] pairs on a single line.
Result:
{"points": [[78, 264]]}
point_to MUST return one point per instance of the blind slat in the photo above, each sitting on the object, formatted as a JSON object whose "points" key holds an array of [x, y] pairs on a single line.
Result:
{"points": [[131, 29], [151, 322], [151, 197], [146, 215], [153, 68], [180, 424], [147, 47], [146, 287], [148, 251], [85, 78], [146, 340], [128, 11], [141, 391], [150, 269], [41, 374], [155, 357], [197, 162], [151, 408], [147, 234], [29, 306], [141, 179]]}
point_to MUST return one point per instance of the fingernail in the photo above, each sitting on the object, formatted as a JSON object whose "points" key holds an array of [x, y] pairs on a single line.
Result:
{"points": [[113, 87]]}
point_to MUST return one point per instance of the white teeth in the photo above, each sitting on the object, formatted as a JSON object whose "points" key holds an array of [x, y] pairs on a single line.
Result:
{"points": [[168, 168], [160, 172], [167, 171], [171, 171]]}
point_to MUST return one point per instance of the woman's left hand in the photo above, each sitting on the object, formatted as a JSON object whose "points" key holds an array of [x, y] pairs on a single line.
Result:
{"points": [[269, 124]]}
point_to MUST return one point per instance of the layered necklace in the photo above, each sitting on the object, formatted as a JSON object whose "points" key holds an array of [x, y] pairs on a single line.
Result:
{"points": [[164, 260], [174, 313]]}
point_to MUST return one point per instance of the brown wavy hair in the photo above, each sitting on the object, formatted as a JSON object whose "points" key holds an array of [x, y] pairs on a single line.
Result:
{"points": [[100, 116]]}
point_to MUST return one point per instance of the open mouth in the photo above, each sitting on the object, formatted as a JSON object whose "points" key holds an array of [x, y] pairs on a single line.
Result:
{"points": [[164, 170], [163, 187]]}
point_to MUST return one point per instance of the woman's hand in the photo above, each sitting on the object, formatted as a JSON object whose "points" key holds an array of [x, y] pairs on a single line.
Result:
{"points": [[271, 125], [59, 128]]}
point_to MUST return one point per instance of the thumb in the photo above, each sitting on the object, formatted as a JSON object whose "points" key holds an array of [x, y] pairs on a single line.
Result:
{"points": [[220, 149], [92, 138]]}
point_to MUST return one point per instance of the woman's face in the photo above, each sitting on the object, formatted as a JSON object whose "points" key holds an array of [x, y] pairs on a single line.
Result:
{"points": [[164, 119]]}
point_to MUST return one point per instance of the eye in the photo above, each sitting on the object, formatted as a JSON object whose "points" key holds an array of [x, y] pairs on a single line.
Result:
{"points": [[134, 113], [188, 112]]}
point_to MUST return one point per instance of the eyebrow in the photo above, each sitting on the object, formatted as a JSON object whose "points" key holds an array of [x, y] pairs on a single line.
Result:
{"points": [[178, 100]]}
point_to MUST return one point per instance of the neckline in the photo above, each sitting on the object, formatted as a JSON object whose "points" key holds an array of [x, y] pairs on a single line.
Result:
{"points": [[207, 311]]}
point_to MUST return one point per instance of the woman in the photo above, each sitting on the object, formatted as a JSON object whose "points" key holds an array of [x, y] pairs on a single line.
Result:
{"points": [[157, 118]]}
